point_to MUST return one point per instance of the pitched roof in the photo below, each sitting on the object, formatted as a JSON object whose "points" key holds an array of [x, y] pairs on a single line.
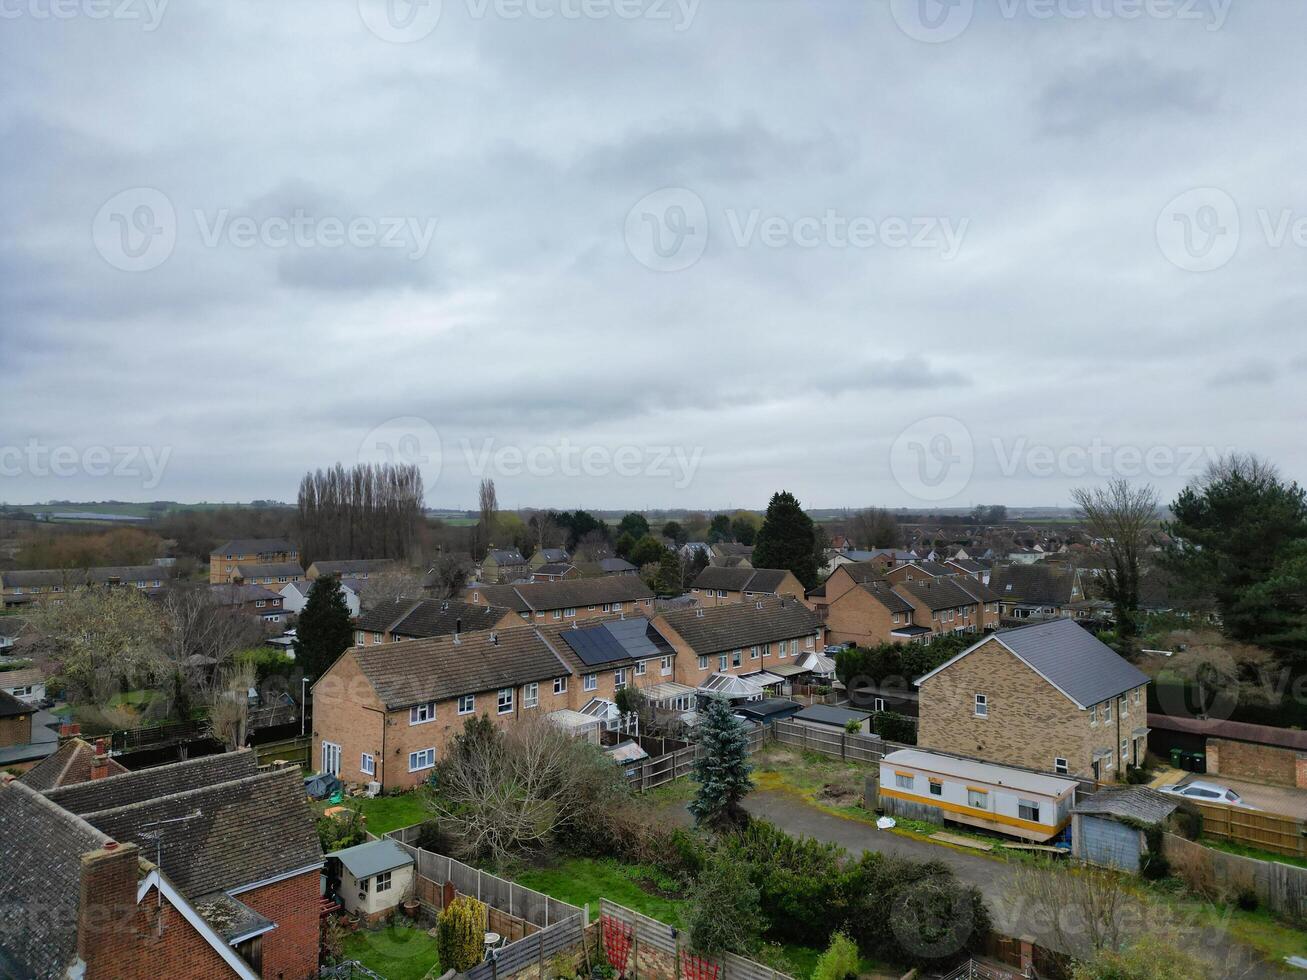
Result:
{"points": [[22, 677], [1072, 659], [41, 848], [373, 857], [983, 772], [351, 566], [146, 784], [1132, 802], [555, 555], [69, 577], [228, 835], [438, 668], [253, 546], [553, 568], [712, 629], [68, 766], [610, 565], [271, 568], [940, 593], [1239, 731], [1039, 584], [740, 579], [506, 556], [925, 567], [887, 597], [566, 593], [231, 594], [429, 617], [608, 643], [861, 571], [11, 707]]}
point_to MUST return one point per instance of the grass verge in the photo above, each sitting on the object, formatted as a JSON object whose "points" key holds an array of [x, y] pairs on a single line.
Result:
{"points": [[397, 952]]}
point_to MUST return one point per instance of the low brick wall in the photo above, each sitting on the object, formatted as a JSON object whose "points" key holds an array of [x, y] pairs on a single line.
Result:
{"points": [[1261, 763]]}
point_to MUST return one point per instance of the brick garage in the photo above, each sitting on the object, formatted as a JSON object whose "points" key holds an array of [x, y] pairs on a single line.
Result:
{"points": [[1260, 753], [290, 950]]}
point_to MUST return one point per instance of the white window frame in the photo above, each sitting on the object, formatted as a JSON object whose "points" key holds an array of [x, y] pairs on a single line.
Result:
{"points": [[382, 882], [983, 794], [368, 764], [569, 613], [1023, 805], [641, 666], [619, 678], [505, 696], [560, 685], [531, 695], [981, 706], [721, 662], [422, 714], [904, 782], [665, 666], [878, 704], [1061, 767], [416, 759], [590, 682], [703, 661], [1107, 711], [467, 704]]}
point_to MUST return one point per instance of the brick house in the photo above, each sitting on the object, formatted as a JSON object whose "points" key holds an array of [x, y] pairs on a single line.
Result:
{"points": [[213, 864], [1277, 756], [252, 600], [225, 559], [553, 572], [387, 713], [503, 565], [76, 761], [21, 587], [549, 556], [584, 598], [415, 619], [1049, 696], [605, 657], [872, 613], [273, 576], [739, 638], [955, 604], [716, 584], [1043, 591], [916, 571]]}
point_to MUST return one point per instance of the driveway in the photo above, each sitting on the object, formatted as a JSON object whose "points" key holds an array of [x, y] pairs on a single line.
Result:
{"points": [[1272, 799], [999, 881]]}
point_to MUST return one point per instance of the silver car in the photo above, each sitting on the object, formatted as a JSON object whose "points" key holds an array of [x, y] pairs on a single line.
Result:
{"points": [[1201, 792]]}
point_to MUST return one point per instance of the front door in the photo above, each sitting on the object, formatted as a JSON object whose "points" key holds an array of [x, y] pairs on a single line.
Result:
{"points": [[331, 758]]}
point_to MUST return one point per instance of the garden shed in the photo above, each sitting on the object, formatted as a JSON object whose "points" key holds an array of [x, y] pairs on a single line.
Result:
{"points": [[1110, 828], [370, 878]]}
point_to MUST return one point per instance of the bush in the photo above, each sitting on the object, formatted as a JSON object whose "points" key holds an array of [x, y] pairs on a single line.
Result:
{"points": [[1247, 899], [839, 962], [340, 831], [723, 914], [460, 933], [894, 727]]}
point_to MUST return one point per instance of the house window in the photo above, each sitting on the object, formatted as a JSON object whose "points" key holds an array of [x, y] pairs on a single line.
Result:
{"points": [[619, 678], [525, 615], [420, 714], [608, 607], [590, 682], [376, 638], [467, 703], [1125, 752], [558, 614], [782, 645], [560, 685], [665, 666], [736, 657], [703, 662], [590, 608], [505, 700], [381, 883], [982, 705], [422, 759], [1060, 766], [1093, 715], [936, 788], [617, 607], [1107, 711], [878, 704], [721, 662], [977, 798], [531, 695], [754, 653], [766, 650], [260, 603], [368, 765], [809, 642], [640, 668], [1028, 810], [903, 781], [1124, 708], [569, 613]]}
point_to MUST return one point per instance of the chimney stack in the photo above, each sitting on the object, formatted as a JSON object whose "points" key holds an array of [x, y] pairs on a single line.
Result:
{"points": [[100, 764], [106, 912]]}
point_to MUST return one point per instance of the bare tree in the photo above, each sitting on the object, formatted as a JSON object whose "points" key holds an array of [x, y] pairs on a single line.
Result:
{"points": [[1085, 908], [545, 531], [1123, 516], [394, 583], [875, 527], [447, 576], [229, 706], [503, 792], [199, 637], [364, 512]]}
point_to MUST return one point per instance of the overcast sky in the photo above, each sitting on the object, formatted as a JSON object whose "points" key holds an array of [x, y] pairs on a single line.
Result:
{"points": [[643, 253]]}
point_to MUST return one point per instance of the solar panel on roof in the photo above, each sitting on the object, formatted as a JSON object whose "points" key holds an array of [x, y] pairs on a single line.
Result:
{"points": [[595, 647]]}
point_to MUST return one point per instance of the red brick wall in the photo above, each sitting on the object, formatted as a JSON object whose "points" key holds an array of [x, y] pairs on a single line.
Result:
{"points": [[1262, 763], [290, 952], [16, 731]]}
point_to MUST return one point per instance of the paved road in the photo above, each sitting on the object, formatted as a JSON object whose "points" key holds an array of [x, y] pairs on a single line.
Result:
{"points": [[1000, 882]]}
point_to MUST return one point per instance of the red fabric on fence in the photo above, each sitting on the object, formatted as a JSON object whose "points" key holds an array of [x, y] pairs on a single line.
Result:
{"points": [[617, 942]]}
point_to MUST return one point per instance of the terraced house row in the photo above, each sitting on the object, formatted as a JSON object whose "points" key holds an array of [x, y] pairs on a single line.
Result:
{"points": [[387, 711]]}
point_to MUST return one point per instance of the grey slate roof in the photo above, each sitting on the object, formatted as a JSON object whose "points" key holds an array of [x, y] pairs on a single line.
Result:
{"points": [[740, 579], [1132, 802], [274, 569], [566, 593], [829, 714], [146, 784], [553, 568], [611, 643], [41, 847], [71, 577], [555, 555], [1038, 584], [234, 834], [70, 765], [372, 857], [429, 617], [435, 669], [612, 566], [713, 629], [351, 566], [1072, 659], [11, 707], [941, 593], [887, 597], [230, 594], [253, 546]]}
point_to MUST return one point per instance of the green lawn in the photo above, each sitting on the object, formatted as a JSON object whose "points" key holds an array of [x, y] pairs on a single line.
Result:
{"points": [[386, 813], [396, 952], [582, 880]]}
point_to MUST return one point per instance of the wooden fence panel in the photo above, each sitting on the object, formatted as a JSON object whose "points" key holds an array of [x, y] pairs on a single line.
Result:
{"points": [[1281, 887], [1274, 832], [532, 950], [850, 746], [651, 936]]}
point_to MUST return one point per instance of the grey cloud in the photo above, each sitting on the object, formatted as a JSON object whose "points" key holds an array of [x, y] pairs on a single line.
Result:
{"points": [[1121, 91], [1247, 373]]}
